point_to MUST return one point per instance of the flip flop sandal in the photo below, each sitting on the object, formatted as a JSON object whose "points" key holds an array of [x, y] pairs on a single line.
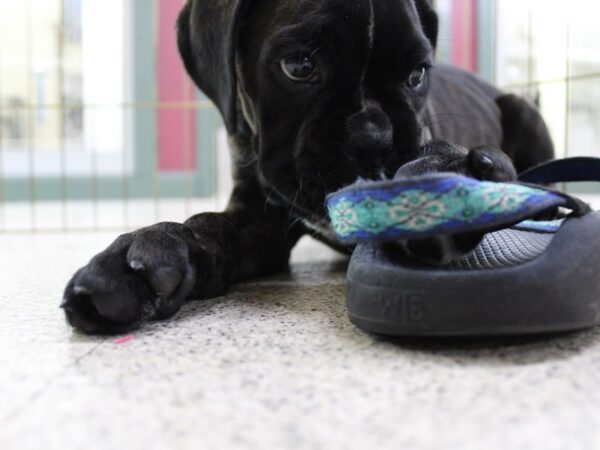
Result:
{"points": [[525, 277]]}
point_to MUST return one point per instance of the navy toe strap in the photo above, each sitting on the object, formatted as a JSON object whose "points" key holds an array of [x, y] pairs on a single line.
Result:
{"points": [[567, 170]]}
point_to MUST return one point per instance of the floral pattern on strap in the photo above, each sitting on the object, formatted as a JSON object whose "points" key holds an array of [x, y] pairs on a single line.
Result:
{"points": [[430, 205]]}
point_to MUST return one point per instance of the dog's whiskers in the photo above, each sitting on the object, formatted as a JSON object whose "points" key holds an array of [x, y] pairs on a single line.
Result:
{"points": [[296, 195], [273, 190], [292, 224], [440, 118], [249, 162]]}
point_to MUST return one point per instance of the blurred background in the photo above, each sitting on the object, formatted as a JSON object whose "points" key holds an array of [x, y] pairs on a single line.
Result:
{"points": [[101, 129]]}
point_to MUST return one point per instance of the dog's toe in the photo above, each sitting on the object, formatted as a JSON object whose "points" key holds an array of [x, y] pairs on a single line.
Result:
{"points": [[141, 276], [81, 313], [104, 298], [490, 164]]}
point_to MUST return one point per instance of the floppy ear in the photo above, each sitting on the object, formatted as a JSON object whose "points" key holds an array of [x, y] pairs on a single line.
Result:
{"points": [[207, 38], [429, 20]]}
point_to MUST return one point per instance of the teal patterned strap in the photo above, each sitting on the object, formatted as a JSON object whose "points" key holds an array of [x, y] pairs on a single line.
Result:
{"points": [[436, 204]]}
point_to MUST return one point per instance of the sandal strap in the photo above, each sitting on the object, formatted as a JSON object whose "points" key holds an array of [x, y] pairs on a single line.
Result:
{"points": [[435, 204], [577, 169], [448, 204], [577, 206]]}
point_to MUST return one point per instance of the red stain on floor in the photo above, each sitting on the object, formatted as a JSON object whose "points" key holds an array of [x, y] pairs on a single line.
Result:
{"points": [[123, 340]]}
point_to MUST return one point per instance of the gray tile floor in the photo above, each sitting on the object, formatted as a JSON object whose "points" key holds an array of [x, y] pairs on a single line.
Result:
{"points": [[275, 364]]}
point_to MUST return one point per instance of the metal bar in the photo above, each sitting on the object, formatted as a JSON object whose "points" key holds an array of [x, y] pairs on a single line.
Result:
{"points": [[204, 104], [55, 231], [568, 72], [156, 180], [127, 119], [64, 114], [125, 178], [530, 62], [209, 105], [2, 195], [569, 79], [495, 42], [31, 129], [95, 197], [187, 159]]}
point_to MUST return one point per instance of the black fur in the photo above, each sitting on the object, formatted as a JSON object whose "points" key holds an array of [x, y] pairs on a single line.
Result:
{"points": [[292, 143]]}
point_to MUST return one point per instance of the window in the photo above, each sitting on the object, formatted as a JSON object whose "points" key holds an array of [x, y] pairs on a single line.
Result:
{"points": [[95, 104], [63, 85], [550, 52]]}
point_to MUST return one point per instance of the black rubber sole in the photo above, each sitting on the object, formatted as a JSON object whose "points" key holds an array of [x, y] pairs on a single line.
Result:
{"points": [[555, 288]]}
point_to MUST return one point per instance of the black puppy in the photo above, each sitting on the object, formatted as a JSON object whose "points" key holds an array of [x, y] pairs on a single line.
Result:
{"points": [[314, 94]]}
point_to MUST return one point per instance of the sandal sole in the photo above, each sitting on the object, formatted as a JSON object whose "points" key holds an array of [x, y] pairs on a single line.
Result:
{"points": [[556, 290]]}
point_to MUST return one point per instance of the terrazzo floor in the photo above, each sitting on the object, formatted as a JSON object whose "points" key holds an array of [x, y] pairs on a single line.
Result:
{"points": [[273, 365]]}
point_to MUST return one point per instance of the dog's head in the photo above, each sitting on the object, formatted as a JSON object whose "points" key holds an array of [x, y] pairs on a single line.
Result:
{"points": [[325, 90]]}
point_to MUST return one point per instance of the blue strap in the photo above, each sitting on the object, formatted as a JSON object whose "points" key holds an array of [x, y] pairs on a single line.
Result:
{"points": [[436, 204], [447, 203], [563, 171]]}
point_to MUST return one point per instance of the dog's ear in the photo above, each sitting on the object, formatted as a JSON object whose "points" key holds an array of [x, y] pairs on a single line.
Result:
{"points": [[429, 20], [207, 38]]}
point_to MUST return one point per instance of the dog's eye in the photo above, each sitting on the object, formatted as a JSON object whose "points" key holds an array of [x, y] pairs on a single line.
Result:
{"points": [[417, 77], [300, 68]]}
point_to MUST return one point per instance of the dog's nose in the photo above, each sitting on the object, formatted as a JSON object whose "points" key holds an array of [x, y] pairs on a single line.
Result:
{"points": [[369, 138]]}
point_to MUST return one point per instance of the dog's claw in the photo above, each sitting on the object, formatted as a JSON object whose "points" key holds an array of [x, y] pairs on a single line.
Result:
{"points": [[137, 265], [485, 163], [81, 290], [490, 165]]}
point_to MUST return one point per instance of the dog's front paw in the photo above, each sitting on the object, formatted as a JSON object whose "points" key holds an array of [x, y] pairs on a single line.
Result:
{"points": [[143, 275]]}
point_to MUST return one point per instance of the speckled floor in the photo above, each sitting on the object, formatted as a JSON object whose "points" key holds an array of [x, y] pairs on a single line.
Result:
{"points": [[275, 364]]}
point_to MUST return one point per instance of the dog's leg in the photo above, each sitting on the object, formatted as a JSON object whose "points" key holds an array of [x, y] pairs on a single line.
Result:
{"points": [[150, 273], [526, 138]]}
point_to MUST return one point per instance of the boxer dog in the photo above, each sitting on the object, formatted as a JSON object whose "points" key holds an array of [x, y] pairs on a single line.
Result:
{"points": [[314, 95]]}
